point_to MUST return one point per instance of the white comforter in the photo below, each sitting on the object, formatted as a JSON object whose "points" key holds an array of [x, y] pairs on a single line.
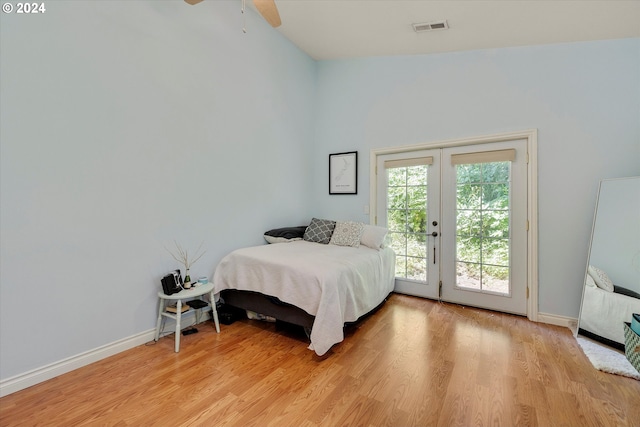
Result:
{"points": [[336, 284]]}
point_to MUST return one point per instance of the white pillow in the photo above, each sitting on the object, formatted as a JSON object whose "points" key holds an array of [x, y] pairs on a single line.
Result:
{"points": [[373, 236], [601, 278], [347, 233], [590, 282]]}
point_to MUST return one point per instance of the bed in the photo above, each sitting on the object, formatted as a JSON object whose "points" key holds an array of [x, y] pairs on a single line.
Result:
{"points": [[605, 307], [309, 282]]}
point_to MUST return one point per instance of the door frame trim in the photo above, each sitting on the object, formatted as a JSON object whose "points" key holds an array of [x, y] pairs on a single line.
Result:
{"points": [[531, 136]]}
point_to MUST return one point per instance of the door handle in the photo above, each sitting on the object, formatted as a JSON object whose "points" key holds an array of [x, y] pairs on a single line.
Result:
{"points": [[434, 234]]}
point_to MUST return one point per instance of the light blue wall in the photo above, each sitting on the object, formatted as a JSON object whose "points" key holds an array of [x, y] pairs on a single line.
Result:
{"points": [[584, 99], [126, 125]]}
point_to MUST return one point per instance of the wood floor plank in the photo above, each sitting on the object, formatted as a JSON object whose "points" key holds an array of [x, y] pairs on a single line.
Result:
{"points": [[415, 362]]}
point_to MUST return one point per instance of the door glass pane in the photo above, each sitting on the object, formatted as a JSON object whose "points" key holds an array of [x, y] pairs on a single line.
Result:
{"points": [[407, 220], [397, 176], [416, 245], [483, 226], [468, 274], [495, 279]]}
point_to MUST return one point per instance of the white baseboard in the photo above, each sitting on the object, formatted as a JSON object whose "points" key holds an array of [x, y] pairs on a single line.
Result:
{"points": [[27, 379], [36, 376], [553, 319]]}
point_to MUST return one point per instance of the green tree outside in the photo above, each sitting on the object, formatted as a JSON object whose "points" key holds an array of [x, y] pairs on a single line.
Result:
{"points": [[482, 223]]}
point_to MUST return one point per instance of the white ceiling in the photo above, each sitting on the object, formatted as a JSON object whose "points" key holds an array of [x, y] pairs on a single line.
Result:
{"points": [[332, 29]]}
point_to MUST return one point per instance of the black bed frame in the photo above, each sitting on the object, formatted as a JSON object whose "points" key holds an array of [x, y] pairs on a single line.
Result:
{"points": [[268, 306], [603, 340], [273, 307]]}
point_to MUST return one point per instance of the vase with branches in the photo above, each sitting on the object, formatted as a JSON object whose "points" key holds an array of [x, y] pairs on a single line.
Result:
{"points": [[187, 259]]}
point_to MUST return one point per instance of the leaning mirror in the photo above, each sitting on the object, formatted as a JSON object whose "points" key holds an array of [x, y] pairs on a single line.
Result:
{"points": [[612, 280]]}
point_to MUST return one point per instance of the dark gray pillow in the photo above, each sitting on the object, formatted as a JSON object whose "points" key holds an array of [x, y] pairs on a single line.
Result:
{"points": [[285, 234], [319, 231], [624, 291]]}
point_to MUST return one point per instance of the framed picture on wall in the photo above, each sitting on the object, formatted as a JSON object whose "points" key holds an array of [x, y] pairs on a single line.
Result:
{"points": [[343, 173]]}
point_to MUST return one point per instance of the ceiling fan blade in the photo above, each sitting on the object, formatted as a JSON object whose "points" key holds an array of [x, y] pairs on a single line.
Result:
{"points": [[192, 2], [268, 10]]}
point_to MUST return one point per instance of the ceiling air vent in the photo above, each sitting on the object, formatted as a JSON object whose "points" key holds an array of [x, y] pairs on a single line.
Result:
{"points": [[430, 26]]}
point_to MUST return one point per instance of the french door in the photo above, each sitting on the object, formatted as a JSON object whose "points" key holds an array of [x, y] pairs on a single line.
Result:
{"points": [[457, 219], [409, 190]]}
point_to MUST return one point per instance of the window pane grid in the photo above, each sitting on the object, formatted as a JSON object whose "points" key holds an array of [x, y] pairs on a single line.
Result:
{"points": [[483, 226], [407, 220]]}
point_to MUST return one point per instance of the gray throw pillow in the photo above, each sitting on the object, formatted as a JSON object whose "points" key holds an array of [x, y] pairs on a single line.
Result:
{"points": [[319, 231], [347, 233]]}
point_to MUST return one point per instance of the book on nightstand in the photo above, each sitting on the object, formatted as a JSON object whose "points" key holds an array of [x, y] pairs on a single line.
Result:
{"points": [[174, 309], [196, 303]]}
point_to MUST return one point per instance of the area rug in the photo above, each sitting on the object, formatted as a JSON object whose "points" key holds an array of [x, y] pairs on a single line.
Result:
{"points": [[607, 360]]}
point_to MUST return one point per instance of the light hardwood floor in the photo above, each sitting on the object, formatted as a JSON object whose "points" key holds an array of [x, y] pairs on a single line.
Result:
{"points": [[415, 362]]}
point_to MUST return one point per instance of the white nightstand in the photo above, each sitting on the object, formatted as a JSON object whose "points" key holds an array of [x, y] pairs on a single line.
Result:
{"points": [[186, 294]]}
